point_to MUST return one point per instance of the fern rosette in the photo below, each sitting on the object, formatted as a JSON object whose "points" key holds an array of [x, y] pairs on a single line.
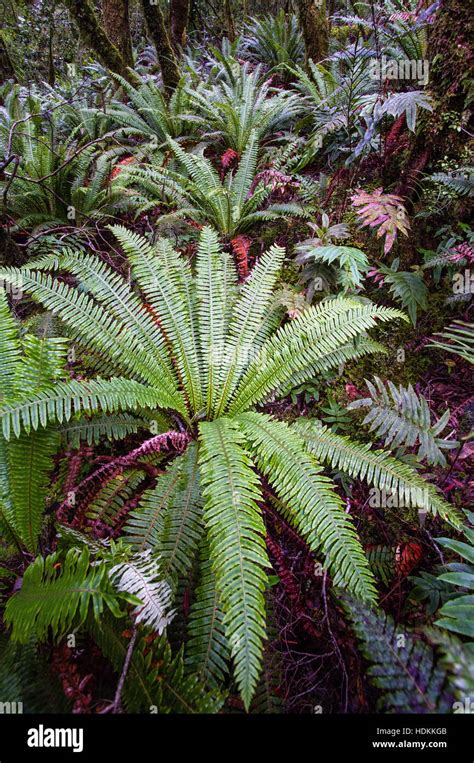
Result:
{"points": [[187, 350]]}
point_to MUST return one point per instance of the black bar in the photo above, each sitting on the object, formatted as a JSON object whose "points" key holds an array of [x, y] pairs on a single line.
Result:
{"points": [[137, 738]]}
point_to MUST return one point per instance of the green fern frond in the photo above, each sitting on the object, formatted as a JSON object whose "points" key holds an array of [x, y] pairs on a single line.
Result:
{"points": [[26, 678], [68, 398], [402, 667], [400, 416], [28, 464], [244, 176], [236, 540], [408, 288], [376, 467], [457, 659], [165, 279], [110, 427], [382, 562], [43, 363], [457, 614], [58, 593], [248, 316], [169, 518], [207, 649], [460, 336], [212, 271], [114, 293], [305, 342], [314, 507], [10, 352], [96, 327]]}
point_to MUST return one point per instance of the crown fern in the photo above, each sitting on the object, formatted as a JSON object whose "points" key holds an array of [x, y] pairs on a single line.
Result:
{"points": [[195, 347]]}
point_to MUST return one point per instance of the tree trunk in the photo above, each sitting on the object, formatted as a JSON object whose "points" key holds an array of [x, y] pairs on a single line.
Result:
{"points": [[179, 22], [314, 24], [115, 16], [94, 36], [7, 70], [164, 50], [229, 20]]}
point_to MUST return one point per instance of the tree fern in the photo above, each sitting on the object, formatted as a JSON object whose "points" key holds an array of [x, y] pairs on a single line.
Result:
{"points": [[273, 40], [149, 113], [232, 112], [231, 205]]}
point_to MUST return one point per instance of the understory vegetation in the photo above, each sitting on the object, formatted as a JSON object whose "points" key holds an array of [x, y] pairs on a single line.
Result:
{"points": [[236, 349]]}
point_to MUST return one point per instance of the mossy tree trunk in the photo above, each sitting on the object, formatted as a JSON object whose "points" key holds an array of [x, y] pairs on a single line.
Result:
{"points": [[7, 70], [94, 36], [158, 33], [179, 10], [115, 17], [229, 20], [315, 28]]}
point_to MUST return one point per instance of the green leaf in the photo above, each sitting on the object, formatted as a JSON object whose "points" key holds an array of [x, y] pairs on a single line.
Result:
{"points": [[237, 549]]}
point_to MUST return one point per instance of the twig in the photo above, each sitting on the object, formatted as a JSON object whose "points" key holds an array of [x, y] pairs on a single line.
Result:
{"points": [[116, 708]]}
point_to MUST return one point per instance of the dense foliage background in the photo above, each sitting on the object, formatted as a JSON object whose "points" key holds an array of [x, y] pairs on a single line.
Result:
{"points": [[235, 356]]}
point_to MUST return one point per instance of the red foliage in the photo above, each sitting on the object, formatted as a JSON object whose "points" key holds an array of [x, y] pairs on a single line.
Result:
{"points": [[282, 186], [461, 252], [352, 391], [75, 686], [91, 486], [397, 138], [120, 164], [240, 247], [407, 556], [229, 158]]}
